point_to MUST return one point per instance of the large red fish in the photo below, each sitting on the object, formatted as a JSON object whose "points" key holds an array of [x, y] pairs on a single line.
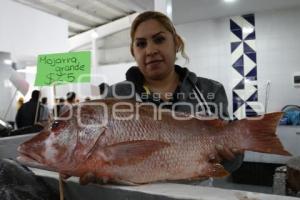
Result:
{"points": [[131, 143]]}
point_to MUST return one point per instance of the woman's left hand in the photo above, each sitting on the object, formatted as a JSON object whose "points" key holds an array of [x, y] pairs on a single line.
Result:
{"points": [[224, 153]]}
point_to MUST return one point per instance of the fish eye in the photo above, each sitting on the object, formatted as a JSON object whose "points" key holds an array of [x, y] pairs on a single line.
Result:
{"points": [[57, 124]]}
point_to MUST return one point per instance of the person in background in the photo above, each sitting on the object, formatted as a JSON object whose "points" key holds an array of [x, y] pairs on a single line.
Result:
{"points": [[103, 89], [157, 79], [71, 100], [54, 110], [30, 112], [45, 114], [44, 101], [59, 103], [20, 102], [71, 97]]}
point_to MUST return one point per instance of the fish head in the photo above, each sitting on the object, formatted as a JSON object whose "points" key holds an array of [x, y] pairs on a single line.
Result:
{"points": [[48, 148], [30, 151], [66, 142]]}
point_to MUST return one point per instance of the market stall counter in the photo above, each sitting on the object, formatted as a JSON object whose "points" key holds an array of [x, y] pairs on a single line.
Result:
{"points": [[161, 191]]}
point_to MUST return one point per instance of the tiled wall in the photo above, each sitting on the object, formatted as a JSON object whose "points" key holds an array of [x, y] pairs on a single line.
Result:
{"points": [[243, 57]]}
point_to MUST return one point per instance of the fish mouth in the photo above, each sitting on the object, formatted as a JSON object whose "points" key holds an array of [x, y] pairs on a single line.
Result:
{"points": [[29, 160]]}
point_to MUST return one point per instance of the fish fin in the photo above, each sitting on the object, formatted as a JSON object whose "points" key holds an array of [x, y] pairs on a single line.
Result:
{"points": [[84, 148], [87, 178], [124, 182], [261, 135], [126, 153], [64, 176], [214, 170]]}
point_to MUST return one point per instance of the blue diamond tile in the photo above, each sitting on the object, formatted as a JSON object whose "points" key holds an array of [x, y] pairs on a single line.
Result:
{"points": [[240, 70], [253, 97], [247, 48], [238, 33], [250, 112], [252, 75], [234, 26], [250, 18], [252, 56], [234, 45], [251, 36], [239, 62], [237, 101], [239, 65], [240, 85]]}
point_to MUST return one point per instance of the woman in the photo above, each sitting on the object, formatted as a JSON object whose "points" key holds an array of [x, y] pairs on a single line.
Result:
{"points": [[154, 44]]}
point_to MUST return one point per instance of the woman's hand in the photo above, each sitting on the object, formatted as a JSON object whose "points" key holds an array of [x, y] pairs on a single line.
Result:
{"points": [[224, 153]]}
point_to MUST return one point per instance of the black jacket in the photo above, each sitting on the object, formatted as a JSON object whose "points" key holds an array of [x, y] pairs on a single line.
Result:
{"points": [[193, 90], [26, 113], [212, 93]]}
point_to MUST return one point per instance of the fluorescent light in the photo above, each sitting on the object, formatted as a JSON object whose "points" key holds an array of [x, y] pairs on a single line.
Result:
{"points": [[8, 62], [94, 34], [229, 1], [169, 9]]}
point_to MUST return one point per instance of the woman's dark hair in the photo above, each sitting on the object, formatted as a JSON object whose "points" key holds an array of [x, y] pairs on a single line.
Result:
{"points": [[71, 96], [35, 95], [44, 100], [103, 87]]}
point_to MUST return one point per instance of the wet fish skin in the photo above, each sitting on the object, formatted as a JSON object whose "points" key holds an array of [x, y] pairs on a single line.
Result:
{"points": [[143, 150]]}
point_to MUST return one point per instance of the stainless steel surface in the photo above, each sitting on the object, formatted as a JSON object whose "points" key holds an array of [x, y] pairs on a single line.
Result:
{"points": [[9, 145]]}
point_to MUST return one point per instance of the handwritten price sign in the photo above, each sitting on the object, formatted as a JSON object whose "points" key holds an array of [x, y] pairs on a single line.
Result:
{"points": [[62, 68]]}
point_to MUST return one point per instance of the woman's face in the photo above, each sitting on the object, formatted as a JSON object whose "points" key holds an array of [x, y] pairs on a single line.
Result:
{"points": [[154, 50]]}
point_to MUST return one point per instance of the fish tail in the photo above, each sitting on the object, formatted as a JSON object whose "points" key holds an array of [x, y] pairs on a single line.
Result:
{"points": [[261, 135]]}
